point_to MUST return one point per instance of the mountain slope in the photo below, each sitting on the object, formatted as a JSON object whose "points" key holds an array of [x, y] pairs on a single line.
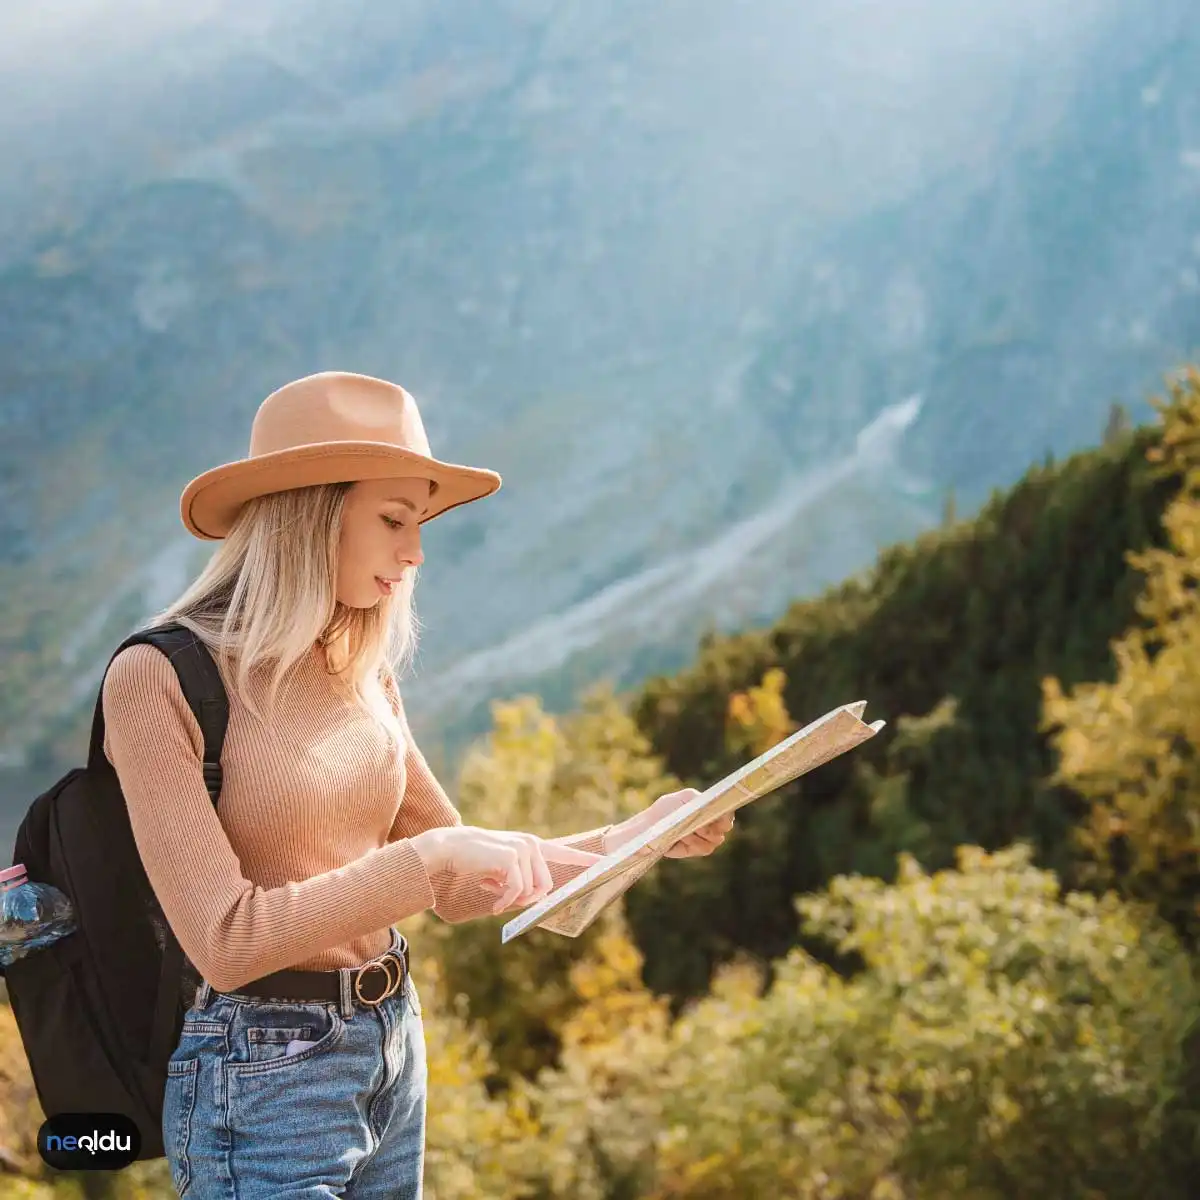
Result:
{"points": [[661, 266], [948, 637]]}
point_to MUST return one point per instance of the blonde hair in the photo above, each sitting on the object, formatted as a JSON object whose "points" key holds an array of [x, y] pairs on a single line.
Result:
{"points": [[267, 596]]}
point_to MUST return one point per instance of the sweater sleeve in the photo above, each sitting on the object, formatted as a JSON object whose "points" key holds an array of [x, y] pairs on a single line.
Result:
{"points": [[231, 929], [425, 805]]}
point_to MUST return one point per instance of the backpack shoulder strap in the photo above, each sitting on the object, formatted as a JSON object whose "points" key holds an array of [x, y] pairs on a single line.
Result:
{"points": [[202, 688], [205, 693]]}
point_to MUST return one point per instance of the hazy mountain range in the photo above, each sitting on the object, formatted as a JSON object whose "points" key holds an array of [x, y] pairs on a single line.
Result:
{"points": [[730, 293]]}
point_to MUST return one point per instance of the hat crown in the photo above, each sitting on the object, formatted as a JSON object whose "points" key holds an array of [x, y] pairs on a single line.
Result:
{"points": [[337, 406]]}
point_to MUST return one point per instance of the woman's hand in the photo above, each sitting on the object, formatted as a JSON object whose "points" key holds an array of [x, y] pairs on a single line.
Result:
{"points": [[509, 863], [701, 842]]}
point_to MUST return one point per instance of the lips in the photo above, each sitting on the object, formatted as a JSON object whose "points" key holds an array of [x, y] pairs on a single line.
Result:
{"points": [[385, 585]]}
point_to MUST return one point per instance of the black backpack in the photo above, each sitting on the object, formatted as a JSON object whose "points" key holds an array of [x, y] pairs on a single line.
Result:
{"points": [[100, 1010]]}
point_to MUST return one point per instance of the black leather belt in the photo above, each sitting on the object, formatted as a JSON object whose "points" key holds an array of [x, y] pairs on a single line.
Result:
{"points": [[372, 983]]}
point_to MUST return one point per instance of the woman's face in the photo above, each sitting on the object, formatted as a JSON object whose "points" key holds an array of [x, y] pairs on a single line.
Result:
{"points": [[380, 538]]}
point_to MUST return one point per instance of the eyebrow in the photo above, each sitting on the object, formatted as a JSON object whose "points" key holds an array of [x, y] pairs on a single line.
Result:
{"points": [[401, 500]]}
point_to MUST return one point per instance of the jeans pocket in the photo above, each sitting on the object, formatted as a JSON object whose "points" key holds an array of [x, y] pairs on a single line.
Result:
{"points": [[269, 1042], [276, 1037], [179, 1106]]}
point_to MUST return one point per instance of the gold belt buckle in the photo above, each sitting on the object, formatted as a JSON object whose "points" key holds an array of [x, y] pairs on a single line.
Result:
{"points": [[380, 964]]}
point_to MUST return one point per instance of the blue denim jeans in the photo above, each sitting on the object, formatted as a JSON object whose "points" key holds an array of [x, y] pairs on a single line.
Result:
{"points": [[282, 1100]]}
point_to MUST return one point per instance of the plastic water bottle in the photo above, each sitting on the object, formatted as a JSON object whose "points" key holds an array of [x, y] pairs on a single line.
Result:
{"points": [[32, 915]]}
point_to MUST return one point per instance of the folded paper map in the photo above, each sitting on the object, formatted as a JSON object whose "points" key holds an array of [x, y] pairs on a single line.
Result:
{"points": [[571, 908]]}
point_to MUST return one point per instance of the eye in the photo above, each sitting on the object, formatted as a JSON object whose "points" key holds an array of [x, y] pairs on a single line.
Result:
{"points": [[391, 523]]}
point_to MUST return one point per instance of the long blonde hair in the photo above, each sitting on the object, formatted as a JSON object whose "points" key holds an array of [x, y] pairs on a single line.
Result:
{"points": [[267, 596]]}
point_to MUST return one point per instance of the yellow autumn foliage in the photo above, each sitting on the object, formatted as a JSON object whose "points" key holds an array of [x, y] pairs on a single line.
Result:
{"points": [[757, 718], [551, 776], [1132, 747]]}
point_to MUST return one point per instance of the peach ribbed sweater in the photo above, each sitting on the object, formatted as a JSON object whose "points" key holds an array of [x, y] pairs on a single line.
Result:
{"points": [[306, 862]]}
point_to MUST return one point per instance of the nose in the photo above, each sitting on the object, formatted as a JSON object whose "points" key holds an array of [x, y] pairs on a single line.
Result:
{"points": [[412, 554]]}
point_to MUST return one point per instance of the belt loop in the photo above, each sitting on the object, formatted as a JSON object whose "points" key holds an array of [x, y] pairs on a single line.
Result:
{"points": [[347, 1003], [203, 992]]}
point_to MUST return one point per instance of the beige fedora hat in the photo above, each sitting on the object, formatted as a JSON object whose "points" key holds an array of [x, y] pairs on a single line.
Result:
{"points": [[329, 428]]}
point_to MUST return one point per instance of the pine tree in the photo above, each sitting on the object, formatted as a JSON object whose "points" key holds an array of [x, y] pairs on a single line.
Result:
{"points": [[949, 508], [1037, 583], [1132, 747], [1118, 424]]}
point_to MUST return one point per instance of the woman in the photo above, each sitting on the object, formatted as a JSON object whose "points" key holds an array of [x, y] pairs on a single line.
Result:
{"points": [[300, 1070]]}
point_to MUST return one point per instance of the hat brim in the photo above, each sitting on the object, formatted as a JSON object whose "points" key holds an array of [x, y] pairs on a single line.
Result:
{"points": [[210, 503]]}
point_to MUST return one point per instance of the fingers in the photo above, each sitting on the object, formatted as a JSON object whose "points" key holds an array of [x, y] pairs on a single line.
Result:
{"points": [[556, 852], [538, 880], [518, 869], [525, 866], [520, 877], [714, 832], [543, 881], [514, 882], [694, 846], [702, 841], [529, 877]]}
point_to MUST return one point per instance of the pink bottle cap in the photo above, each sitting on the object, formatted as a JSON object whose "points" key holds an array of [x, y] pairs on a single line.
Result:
{"points": [[13, 872]]}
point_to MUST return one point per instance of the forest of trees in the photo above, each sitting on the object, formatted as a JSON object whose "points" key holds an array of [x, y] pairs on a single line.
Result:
{"points": [[959, 962]]}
